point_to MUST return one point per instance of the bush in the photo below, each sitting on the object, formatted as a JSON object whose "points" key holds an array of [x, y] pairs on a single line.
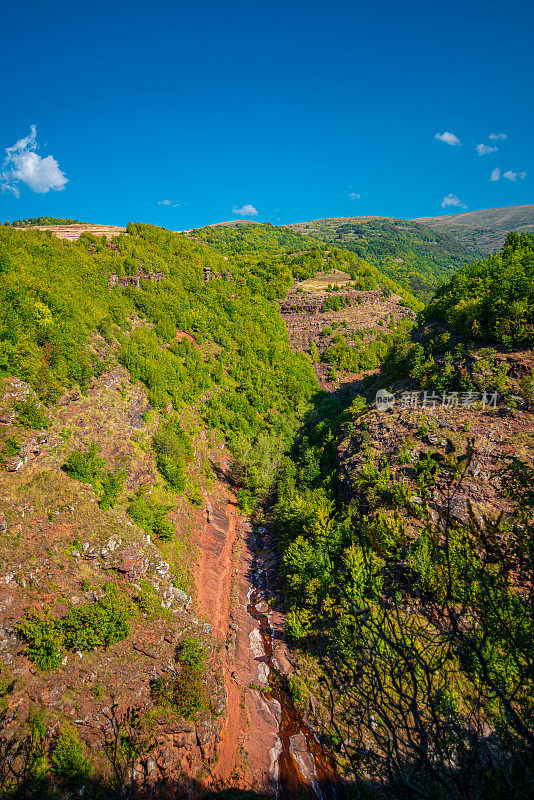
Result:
{"points": [[11, 447], [192, 652], [189, 692], [45, 645], [112, 485], [68, 758], [88, 467], [93, 625], [152, 518], [173, 451], [85, 465], [31, 416], [298, 691], [186, 694]]}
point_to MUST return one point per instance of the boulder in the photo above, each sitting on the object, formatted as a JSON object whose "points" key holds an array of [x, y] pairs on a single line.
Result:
{"points": [[14, 464]]}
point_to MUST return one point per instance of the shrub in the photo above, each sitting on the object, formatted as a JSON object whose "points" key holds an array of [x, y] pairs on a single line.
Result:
{"points": [[85, 465], [173, 451], [112, 485], [93, 625], [189, 692], [68, 758], [298, 691], [45, 645], [99, 624], [11, 447], [31, 416], [152, 517], [192, 652]]}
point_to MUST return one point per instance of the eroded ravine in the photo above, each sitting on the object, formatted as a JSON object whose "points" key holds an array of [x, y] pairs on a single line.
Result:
{"points": [[265, 743], [302, 763]]}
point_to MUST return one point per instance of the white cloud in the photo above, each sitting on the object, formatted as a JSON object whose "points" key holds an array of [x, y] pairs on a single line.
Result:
{"points": [[23, 165], [522, 176], [168, 203], [448, 138], [498, 137], [484, 149], [245, 211], [452, 200], [509, 175], [353, 196], [495, 174]]}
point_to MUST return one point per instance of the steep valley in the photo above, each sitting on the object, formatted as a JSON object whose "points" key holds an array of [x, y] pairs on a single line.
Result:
{"points": [[265, 522]]}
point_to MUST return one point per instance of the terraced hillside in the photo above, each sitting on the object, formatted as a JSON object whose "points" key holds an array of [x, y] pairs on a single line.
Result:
{"points": [[73, 232], [414, 255]]}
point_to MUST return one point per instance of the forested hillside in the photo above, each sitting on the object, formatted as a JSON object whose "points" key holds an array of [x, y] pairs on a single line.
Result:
{"points": [[406, 533], [281, 249], [135, 394], [413, 255], [365, 628], [55, 297]]}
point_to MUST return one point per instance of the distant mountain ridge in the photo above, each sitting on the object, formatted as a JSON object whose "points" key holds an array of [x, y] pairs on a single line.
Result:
{"points": [[486, 229]]}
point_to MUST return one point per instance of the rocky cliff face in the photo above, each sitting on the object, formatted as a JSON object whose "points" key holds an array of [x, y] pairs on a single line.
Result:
{"points": [[59, 553]]}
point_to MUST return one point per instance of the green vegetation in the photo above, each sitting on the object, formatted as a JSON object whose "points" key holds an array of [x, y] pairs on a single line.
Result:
{"points": [[490, 301], [173, 450], [493, 299], [31, 415], [484, 230], [238, 370], [186, 694], [93, 625], [413, 255], [23, 223], [11, 447], [152, 517], [352, 576], [69, 760], [87, 466], [360, 356], [420, 624], [277, 257]]}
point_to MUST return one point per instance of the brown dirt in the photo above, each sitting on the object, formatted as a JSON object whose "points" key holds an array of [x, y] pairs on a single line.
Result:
{"points": [[213, 580], [250, 732]]}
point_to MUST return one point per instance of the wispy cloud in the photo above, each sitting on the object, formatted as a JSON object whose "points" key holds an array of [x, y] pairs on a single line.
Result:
{"points": [[448, 138], [498, 137], [23, 165], [513, 176], [452, 200], [245, 211], [484, 149], [353, 196], [495, 174], [168, 203]]}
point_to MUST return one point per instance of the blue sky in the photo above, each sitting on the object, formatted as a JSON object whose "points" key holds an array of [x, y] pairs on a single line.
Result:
{"points": [[183, 114]]}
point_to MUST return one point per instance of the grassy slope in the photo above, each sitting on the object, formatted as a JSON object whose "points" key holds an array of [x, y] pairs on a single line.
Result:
{"points": [[485, 229]]}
